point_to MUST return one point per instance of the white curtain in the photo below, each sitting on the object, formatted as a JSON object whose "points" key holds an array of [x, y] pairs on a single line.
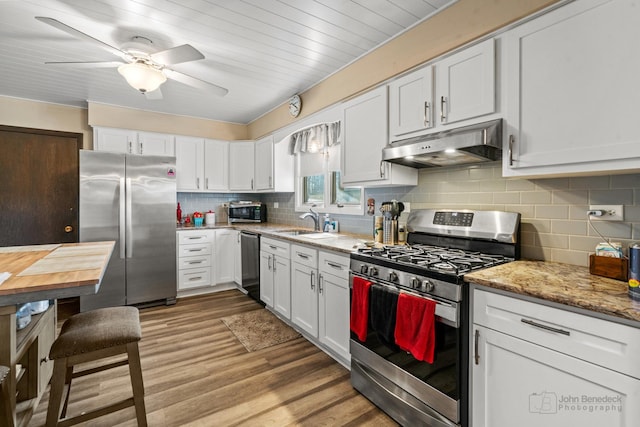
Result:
{"points": [[315, 139]]}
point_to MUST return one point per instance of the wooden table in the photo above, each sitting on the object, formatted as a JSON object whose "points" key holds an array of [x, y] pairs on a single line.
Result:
{"points": [[41, 272]]}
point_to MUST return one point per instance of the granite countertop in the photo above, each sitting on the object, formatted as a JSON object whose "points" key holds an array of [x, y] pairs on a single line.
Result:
{"points": [[340, 242], [561, 283]]}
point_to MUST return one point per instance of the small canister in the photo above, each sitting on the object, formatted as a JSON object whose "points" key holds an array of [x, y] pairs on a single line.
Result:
{"points": [[210, 218], [377, 229], [634, 271]]}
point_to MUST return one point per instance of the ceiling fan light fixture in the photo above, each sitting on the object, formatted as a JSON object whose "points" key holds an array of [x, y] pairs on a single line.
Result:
{"points": [[142, 77]]}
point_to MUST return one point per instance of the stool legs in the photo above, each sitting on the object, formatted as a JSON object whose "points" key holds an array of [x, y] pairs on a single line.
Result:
{"points": [[6, 415], [58, 380], [135, 372]]}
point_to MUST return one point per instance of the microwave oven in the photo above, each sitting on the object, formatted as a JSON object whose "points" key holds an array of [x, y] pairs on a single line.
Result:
{"points": [[247, 212]]}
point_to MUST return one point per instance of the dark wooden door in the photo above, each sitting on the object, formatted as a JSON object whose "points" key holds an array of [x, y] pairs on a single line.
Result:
{"points": [[38, 186]]}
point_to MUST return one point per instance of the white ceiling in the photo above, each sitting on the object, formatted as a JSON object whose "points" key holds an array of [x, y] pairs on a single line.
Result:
{"points": [[263, 51]]}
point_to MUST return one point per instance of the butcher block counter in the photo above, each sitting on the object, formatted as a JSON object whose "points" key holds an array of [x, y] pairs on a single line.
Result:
{"points": [[565, 284], [36, 273]]}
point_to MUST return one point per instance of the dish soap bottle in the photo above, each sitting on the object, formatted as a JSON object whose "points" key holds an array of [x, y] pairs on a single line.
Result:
{"points": [[179, 214], [327, 223]]}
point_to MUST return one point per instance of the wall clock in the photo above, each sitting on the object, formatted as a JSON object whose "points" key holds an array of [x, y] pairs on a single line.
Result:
{"points": [[295, 105]]}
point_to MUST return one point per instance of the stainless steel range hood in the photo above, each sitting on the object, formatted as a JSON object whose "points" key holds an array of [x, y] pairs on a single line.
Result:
{"points": [[481, 142]]}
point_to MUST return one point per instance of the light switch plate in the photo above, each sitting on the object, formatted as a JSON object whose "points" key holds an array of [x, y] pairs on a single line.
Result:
{"points": [[612, 212], [276, 205], [407, 206]]}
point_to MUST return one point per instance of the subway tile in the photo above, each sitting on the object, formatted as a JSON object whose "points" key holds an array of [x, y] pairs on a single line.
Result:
{"points": [[480, 198], [578, 212], [552, 211], [527, 238], [536, 226], [577, 258], [507, 197], [520, 185], [625, 181], [552, 183], [610, 229], [553, 240], [535, 197], [583, 243], [459, 186], [535, 252], [458, 174], [611, 197], [632, 213], [589, 182], [636, 232], [578, 228], [525, 211], [481, 173], [495, 185], [570, 197]]}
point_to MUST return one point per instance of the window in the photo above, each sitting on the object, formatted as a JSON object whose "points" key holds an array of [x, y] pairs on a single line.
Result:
{"points": [[318, 184]]}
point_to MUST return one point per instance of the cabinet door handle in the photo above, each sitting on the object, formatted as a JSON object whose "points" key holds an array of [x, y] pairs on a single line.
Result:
{"points": [[274, 263], [426, 114], [511, 141], [302, 255], [320, 280], [475, 347], [252, 183], [195, 238], [273, 247], [130, 147], [194, 250], [381, 168], [269, 262], [206, 183], [313, 276], [198, 183], [191, 279], [545, 327], [334, 265], [140, 147], [443, 105], [195, 262]]}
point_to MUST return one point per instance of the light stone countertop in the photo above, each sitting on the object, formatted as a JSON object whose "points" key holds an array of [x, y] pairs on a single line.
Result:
{"points": [[565, 284]]}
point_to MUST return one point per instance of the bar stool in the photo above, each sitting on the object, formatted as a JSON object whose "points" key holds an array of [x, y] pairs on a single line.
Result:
{"points": [[6, 417], [91, 336]]}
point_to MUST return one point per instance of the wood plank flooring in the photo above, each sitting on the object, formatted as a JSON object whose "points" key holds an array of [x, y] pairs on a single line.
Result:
{"points": [[196, 373]]}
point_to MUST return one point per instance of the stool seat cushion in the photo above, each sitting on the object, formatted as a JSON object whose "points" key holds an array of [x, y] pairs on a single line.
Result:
{"points": [[97, 330], [3, 373]]}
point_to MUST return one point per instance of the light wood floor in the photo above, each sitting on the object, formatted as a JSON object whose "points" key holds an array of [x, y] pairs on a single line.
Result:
{"points": [[196, 373]]}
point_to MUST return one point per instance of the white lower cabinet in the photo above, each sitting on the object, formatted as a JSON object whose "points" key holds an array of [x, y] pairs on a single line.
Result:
{"points": [[224, 255], [275, 276], [534, 365], [237, 258], [320, 298]]}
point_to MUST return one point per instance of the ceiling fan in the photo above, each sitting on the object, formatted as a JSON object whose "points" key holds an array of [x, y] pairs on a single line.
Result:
{"points": [[144, 71]]}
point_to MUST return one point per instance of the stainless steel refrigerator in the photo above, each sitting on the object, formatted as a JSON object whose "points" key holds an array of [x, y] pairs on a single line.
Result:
{"points": [[130, 199]]}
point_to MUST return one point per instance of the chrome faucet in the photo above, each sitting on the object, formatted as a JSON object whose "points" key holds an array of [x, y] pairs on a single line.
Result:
{"points": [[315, 216]]}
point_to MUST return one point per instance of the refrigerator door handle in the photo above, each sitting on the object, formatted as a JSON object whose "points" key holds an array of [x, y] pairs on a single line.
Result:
{"points": [[129, 230], [122, 219]]}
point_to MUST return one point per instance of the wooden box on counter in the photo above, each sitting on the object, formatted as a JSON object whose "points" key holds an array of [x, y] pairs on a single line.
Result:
{"points": [[614, 268]]}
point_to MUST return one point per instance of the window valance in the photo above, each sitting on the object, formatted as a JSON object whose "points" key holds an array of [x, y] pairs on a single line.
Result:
{"points": [[314, 139]]}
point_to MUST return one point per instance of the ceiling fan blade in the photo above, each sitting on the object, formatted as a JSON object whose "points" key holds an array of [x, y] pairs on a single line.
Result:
{"points": [[88, 64], [197, 83], [177, 55], [79, 34], [154, 95]]}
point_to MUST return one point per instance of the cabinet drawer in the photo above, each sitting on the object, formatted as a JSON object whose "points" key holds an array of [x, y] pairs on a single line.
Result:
{"points": [[194, 262], [304, 255], [598, 341], [276, 247], [189, 237], [194, 278], [334, 264], [193, 250]]}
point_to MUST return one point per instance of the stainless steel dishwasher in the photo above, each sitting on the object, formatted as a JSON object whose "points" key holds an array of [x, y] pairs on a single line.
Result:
{"points": [[250, 247]]}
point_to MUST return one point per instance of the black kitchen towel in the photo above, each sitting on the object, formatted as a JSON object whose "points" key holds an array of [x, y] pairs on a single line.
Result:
{"points": [[382, 313]]}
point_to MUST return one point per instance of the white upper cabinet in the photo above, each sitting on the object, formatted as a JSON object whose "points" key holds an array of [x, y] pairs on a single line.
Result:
{"points": [[439, 96], [133, 142], [216, 165], [364, 135], [411, 103], [202, 164], [572, 91], [241, 166], [189, 163], [274, 167], [466, 84]]}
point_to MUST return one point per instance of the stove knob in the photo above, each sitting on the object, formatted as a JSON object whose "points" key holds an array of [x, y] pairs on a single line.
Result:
{"points": [[364, 269], [414, 282], [393, 276], [428, 286], [373, 271]]}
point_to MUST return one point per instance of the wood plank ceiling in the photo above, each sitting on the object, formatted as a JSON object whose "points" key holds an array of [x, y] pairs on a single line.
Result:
{"points": [[263, 51]]}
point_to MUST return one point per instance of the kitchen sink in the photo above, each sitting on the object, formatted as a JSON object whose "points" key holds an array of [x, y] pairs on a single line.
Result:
{"points": [[311, 234]]}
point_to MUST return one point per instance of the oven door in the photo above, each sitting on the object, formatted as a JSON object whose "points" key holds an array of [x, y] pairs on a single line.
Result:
{"points": [[411, 391]]}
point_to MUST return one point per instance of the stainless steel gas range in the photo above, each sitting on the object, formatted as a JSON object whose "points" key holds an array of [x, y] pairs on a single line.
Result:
{"points": [[442, 246]]}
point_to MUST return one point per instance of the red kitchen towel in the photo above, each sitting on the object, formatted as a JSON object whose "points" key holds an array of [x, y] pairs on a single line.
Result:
{"points": [[415, 326], [360, 307]]}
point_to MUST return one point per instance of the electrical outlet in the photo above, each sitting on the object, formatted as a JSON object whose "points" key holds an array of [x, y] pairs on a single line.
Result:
{"points": [[611, 212], [407, 206], [276, 205]]}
